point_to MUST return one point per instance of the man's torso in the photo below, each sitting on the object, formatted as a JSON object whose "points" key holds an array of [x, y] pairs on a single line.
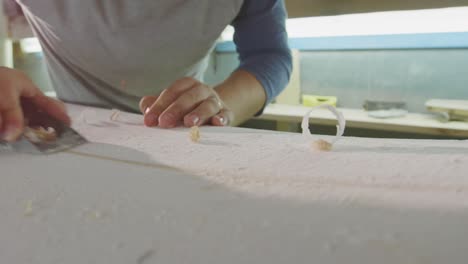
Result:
{"points": [[94, 46]]}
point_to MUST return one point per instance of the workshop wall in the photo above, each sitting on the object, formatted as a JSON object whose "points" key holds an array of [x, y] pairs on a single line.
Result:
{"points": [[412, 76], [34, 66]]}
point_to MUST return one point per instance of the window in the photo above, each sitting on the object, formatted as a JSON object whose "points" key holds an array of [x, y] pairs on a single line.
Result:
{"points": [[382, 23]]}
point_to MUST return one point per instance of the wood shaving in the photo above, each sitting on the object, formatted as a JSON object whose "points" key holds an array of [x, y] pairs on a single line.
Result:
{"points": [[118, 117], [96, 215], [40, 134], [93, 214], [322, 144], [146, 256], [115, 115], [195, 134], [123, 85], [90, 118], [83, 117], [28, 210]]}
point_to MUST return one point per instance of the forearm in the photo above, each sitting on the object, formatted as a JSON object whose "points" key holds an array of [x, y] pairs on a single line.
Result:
{"points": [[265, 59], [243, 95]]}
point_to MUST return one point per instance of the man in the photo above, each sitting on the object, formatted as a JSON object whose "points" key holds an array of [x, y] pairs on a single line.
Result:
{"points": [[150, 56]]}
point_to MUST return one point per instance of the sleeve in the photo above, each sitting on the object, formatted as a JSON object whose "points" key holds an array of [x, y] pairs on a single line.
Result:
{"points": [[262, 44]]}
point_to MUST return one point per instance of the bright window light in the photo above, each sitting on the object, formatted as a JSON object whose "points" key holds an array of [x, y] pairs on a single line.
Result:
{"points": [[30, 45], [381, 23]]}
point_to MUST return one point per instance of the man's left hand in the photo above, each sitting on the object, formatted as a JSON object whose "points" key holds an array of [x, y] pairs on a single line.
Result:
{"points": [[188, 102]]}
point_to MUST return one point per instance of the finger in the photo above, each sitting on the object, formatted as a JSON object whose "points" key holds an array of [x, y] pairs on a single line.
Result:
{"points": [[146, 102], [166, 98], [12, 117], [207, 109], [183, 105], [224, 118], [59, 104], [53, 107]]}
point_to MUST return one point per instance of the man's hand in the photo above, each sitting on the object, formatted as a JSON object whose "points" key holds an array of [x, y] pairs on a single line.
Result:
{"points": [[186, 101], [14, 87]]}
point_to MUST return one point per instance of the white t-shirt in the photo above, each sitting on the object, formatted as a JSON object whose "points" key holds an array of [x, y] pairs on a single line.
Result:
{"points": [[113, 52]]}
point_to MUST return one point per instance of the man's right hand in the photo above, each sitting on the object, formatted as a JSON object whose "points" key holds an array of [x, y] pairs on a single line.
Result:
{"points": [[15, 86]]}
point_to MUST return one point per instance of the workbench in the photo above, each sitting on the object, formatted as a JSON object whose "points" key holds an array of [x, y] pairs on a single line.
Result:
{"points": [[148, 195], [417, 123]]}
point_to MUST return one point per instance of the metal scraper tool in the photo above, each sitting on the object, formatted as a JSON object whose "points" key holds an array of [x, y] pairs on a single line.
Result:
{"points": [[65, 137]]}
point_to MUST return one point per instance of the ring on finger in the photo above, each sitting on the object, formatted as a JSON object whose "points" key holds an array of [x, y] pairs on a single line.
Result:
{"points": [[217, 101]]}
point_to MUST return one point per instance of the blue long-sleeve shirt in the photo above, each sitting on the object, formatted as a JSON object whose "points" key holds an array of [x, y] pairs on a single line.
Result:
{"points": [[262, 43]]}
